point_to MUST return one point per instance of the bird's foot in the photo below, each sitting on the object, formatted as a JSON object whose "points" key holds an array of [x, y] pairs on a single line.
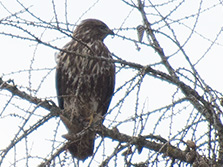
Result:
{"points": [[91, 119]]}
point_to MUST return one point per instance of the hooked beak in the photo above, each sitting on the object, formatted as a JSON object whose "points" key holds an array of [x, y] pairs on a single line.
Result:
{"points": [[110, 32]]}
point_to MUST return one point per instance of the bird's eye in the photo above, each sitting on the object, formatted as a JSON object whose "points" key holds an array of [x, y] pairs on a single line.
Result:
{"points": [[102, 28]]}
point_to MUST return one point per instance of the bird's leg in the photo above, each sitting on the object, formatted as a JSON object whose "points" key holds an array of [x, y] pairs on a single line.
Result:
{"points": [[91, 118], [95, 118]]}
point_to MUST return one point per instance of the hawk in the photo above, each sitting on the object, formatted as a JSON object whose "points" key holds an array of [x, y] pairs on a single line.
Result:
{"points": [[84, 84]]}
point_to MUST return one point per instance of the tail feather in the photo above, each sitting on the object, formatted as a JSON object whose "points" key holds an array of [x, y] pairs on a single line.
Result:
{"points": [[82, 148]]}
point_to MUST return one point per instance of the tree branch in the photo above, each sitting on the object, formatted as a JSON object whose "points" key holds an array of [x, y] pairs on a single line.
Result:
{"points": [[46, 104], [139, 141], [204, 107]]}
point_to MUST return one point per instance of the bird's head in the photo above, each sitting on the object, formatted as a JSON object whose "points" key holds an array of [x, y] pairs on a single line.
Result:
{"points": [[92, 29]]}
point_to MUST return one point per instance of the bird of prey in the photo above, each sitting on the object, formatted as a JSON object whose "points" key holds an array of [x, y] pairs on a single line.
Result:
{"points": [[85, 80]]}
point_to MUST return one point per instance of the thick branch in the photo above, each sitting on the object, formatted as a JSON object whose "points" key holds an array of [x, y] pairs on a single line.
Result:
{"points": [[140, 141], [49, 105], [203, 106], [175, 153]]}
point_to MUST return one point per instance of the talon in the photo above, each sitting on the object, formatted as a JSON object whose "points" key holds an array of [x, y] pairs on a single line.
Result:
{"points": [[91, 118]]}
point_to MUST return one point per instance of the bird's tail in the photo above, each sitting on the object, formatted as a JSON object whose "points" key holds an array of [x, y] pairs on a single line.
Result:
{"points": [[83, 148]]}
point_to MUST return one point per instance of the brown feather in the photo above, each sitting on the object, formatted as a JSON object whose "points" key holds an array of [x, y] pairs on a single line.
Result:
{"points": [[85, 86]]}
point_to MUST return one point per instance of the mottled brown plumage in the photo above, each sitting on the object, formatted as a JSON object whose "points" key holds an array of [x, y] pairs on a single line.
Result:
{"points": [[84, 85]]}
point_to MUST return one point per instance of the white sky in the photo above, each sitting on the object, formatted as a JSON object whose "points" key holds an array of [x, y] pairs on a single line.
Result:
{"points": [[17, 54]]}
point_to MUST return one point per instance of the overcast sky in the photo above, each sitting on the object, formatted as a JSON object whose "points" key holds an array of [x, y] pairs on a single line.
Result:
{"points": [[204, 43]]}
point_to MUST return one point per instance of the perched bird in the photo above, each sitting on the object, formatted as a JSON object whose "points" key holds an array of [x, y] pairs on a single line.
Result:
{"points": [[85, 85]]}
